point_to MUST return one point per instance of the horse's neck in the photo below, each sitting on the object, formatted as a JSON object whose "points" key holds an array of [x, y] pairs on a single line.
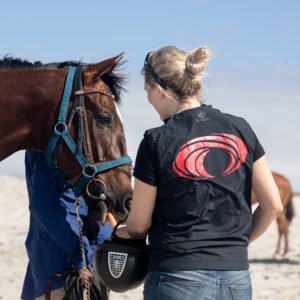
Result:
{"points": [[29, 105]]}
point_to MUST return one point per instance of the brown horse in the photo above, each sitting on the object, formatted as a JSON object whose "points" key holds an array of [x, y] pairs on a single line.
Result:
{"points": [[30, 99], [283, 221]]}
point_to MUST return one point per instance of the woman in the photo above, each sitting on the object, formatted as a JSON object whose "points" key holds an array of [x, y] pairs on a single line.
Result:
{"points": [[193, 180]]}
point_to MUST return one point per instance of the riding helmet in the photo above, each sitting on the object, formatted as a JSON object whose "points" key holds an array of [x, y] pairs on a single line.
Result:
{"points": [[121, 264]]}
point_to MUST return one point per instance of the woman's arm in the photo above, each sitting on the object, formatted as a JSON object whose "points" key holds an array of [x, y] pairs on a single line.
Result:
{"points": [[140, 217], [267, 193]]}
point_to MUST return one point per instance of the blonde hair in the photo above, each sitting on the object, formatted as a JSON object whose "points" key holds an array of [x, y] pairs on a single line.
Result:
{"points": [[180, 71]]}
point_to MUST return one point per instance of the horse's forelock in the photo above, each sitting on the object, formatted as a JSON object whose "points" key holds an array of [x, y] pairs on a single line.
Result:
{"points": [[115, 79], [115, 83]]}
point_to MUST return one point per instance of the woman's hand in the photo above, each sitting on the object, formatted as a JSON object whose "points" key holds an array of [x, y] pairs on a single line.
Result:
{"points": [[123, 233], [140, 217], [90, 275]]}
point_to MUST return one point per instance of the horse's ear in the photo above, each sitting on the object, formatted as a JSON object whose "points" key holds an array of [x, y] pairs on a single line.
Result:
{"points": [[94, 72]]}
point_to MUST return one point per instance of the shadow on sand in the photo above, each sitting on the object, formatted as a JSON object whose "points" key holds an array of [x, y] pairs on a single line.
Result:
{"points": [[270, 261]]}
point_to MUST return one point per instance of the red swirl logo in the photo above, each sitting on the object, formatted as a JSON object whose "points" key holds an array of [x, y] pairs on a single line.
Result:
{"points": [[189, 162]]}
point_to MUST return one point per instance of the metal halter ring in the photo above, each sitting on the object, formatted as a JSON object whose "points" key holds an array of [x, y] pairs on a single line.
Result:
{"points": [[102, 194], [60, 127]]}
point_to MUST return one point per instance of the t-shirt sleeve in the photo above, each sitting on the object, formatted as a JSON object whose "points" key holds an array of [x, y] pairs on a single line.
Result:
{"points": [[146, 164], [256, 147], [258, 150]]}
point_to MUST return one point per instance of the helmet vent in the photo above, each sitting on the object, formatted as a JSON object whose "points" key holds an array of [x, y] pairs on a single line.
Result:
{"points": [[116, 263]]}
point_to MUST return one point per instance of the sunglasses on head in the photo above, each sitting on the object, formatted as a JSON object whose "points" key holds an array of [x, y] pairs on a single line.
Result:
{"points": [[152, 72]]}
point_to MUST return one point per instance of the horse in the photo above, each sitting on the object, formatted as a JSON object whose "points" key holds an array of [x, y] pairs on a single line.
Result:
{"points": [[285, 218], [32, 98]]}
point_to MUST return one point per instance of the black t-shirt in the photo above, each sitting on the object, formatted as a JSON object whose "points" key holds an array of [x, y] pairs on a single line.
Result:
{"points": [[201, 162]]}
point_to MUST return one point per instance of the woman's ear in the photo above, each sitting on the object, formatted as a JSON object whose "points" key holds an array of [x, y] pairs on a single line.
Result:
{"points": [[160, 91]]}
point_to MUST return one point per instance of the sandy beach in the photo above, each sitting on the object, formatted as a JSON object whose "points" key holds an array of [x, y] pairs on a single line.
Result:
{"points": [[273, 278]]}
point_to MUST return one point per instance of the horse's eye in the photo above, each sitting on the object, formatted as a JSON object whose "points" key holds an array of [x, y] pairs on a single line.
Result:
{"points": [[104, 121]]}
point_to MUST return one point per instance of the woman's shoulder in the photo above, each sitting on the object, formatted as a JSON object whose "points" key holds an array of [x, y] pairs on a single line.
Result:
{"points": [[229, 117], [155, 132]]}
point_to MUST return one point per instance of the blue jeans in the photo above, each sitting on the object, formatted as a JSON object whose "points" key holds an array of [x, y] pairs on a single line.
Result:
{"points": [[198, 284]]}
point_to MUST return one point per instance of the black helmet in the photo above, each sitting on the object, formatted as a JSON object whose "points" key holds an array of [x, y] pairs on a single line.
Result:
{"points": [[121, 264]]}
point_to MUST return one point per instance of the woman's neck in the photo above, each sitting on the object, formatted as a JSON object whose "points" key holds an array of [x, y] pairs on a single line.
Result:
{"points": [[172, 106], [188, 103]]}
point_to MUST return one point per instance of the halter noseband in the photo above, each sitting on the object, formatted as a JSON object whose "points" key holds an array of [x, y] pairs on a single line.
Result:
{"points": [[61, 130]]}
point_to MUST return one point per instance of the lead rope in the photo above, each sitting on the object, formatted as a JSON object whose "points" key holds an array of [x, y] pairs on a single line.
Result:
{"points": [[86, 292]]}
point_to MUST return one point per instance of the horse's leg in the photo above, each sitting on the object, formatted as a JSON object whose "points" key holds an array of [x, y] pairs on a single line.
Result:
{"points": [[282, 229], [289, 214], [278, 243], [286, 248]]}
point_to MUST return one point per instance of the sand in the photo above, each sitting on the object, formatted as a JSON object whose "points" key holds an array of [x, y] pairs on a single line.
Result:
{"points": [[273, 278]]}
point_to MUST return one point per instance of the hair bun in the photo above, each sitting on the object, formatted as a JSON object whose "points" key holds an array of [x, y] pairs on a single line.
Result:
{"points": [[196, 61]]}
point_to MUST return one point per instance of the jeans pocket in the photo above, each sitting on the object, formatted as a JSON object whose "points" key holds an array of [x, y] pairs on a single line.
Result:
{"points": [[241, 292], [177, 287]]}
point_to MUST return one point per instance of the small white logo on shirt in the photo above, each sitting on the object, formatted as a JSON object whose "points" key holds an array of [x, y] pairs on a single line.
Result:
{"points": [[201, 116]]}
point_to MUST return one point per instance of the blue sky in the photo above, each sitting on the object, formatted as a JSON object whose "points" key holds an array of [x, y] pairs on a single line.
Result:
{"points": [[254, 72]]}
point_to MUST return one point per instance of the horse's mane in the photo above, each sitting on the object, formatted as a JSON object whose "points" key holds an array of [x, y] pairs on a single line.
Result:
{"points": [[112, 79], [8, 62]]}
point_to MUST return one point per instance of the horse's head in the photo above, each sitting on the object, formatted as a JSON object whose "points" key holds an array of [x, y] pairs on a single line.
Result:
{"points": [[109, 190]]}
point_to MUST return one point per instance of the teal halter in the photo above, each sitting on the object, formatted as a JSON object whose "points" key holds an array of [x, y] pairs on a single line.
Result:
{"points": [[61, 131]]}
